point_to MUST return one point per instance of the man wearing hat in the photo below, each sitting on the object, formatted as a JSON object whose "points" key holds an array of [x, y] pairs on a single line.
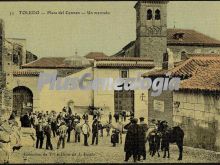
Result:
{"points": [[86, 132], [132, 140], [142, 138], [69, 123], [95, 131], [47, 130], [143, 124], [39, 134], [153, 124], [77, 130], [62, 134], [85, 116]]}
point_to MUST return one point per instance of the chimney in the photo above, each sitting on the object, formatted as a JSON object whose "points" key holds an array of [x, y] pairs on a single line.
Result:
{"points": [[168, 61]]}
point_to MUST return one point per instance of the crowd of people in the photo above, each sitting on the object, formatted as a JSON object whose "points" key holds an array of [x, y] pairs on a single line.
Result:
{"points": [[62, 124]]}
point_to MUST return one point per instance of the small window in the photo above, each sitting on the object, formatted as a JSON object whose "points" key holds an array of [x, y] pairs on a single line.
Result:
{"points": [[124, 74], [212, 52], [179, 36], [183, 55], [15, 58], [176, 106], [149, 14], [157, 14]]}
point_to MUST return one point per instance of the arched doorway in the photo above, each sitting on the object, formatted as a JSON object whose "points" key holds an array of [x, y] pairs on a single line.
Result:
{"points": [[22, 100]]}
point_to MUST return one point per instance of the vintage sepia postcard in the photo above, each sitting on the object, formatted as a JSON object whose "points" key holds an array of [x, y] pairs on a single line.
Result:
{"points": [[109, 82]]}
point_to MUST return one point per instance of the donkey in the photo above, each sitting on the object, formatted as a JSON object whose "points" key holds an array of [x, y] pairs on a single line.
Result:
{"points": [[171, 135]]}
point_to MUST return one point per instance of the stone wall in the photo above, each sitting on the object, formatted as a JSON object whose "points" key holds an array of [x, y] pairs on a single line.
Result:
{"points": [[199, 115], [9, 49], [2, 85], [2, 74], [19, 50], [161, 107], [7, 98], [147, 48]]}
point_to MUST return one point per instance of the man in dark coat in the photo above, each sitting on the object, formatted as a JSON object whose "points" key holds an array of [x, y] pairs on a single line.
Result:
{"points": [[116, 116], [69, 129], [22, 121], [47, 130], [115, 137], [142, 139], [110, 117], [124, 115], [132, 140], [54, 125], [26, 121], [39, 134], [95, 130]]}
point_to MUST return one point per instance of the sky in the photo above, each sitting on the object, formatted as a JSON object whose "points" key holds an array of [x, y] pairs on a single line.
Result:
{"points": [[63, 35]]}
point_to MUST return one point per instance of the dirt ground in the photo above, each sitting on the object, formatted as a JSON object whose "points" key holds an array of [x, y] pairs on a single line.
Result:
{"points": [[104, 153]]}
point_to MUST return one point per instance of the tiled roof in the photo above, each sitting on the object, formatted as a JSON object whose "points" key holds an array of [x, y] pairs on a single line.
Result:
{"points": [[200, 72], [113, 58], [25, 73], [204, 79], [50, 63], [64, 65], [190, 37], [59, 62], [187, 67], [93, 55], [45, 62], [124, 65], [178, 63]]}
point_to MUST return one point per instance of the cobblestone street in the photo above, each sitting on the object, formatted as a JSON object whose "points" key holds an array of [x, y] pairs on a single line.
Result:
{"points": [[104, 153]]}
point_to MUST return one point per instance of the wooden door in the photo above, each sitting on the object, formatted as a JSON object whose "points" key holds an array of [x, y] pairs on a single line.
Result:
{"points": [[124, 100]]}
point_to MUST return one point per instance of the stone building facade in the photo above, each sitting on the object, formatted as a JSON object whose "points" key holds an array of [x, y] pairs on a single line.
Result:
{"points": [[101, 67], [151, 29], [195, 106], [12, 57], [198, 113], [153, 38]]}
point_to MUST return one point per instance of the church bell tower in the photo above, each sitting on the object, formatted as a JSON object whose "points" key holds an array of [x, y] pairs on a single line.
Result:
{"points": [[151, 30]]}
